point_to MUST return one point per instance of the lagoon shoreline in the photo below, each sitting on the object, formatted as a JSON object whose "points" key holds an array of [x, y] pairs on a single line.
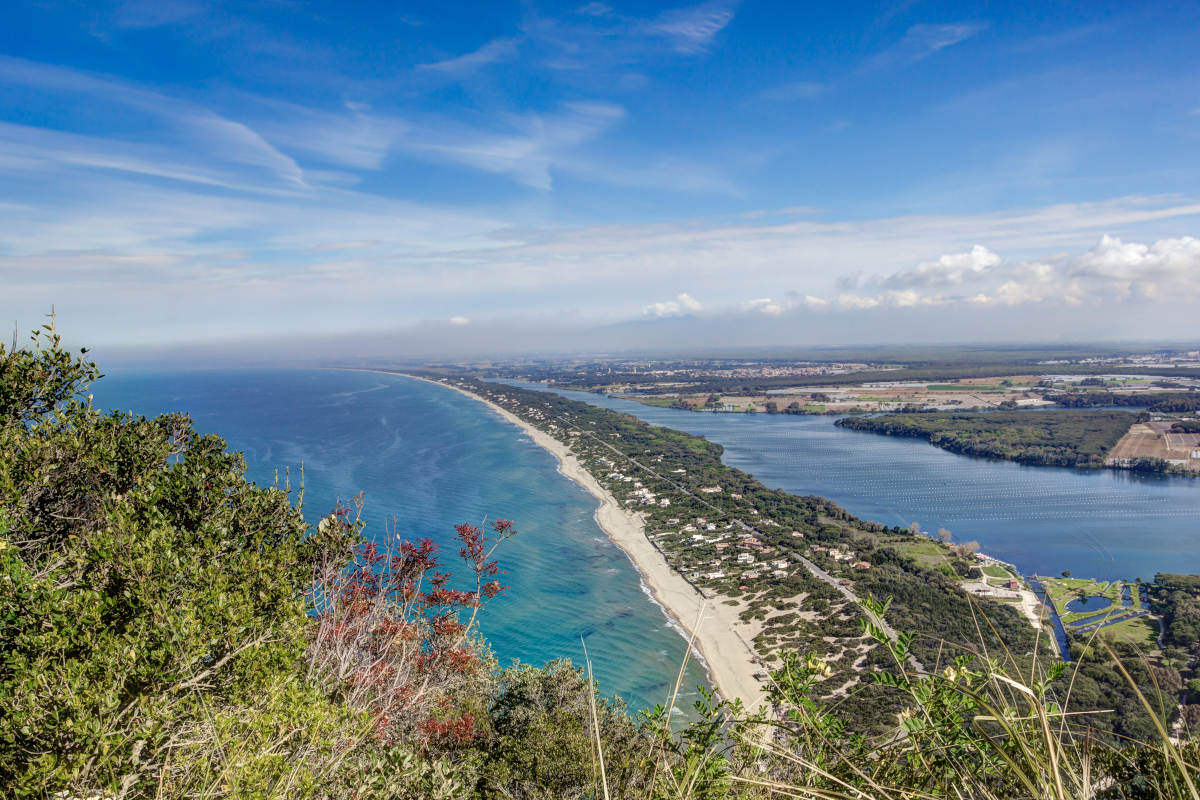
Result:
{"points": [[717, 633]]}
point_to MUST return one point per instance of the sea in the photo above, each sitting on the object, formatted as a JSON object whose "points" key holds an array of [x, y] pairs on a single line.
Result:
{"points": [[425, 458], [1103, 524]]}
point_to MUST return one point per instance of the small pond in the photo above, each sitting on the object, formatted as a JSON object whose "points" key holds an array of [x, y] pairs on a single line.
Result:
{"points": [[1089, 603]]}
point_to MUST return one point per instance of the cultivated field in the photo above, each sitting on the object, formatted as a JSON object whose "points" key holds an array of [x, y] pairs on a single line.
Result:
{"points": [[965, 394], [1155, 440]]}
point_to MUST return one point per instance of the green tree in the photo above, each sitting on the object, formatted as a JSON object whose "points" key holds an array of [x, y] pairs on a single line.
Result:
{"points": [[154, 631], [150, 594]]}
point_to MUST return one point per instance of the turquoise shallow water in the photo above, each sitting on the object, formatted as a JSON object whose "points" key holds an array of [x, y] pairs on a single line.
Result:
{"points": [[428, 458], [1103, 524]]}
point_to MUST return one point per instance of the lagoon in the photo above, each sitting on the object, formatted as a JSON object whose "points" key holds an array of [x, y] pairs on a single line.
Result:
{"points": [[1102, 524]]}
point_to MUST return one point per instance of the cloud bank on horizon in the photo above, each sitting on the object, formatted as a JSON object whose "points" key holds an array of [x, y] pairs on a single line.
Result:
{"points": [[713, 173]]}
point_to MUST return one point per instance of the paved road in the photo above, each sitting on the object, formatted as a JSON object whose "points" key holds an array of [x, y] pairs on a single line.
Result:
{"points": [[888, 630]]}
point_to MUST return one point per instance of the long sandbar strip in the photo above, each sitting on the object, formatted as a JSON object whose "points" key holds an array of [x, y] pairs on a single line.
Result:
{"points": [[730, 660]]}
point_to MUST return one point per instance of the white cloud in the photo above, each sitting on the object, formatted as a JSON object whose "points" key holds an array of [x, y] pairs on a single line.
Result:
{"points": [[594, 10], [952, 268], [82, 233], [490, 53], [1111, 271], [260, 154], [459, 321], [527, 148], [193, 133], [764, 305], [921, 41], [692, 30], [670, 308]]}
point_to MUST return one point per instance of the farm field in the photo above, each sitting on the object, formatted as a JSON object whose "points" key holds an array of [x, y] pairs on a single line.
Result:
{"points": [[1156, 440], [987, 393]]}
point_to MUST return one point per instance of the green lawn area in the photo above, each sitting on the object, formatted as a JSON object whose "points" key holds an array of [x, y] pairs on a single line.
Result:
{"points": [[1064, 590], [1142, 631], [996, 571], [924, 551]]}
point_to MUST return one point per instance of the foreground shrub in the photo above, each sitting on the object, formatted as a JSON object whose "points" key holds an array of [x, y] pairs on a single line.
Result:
{"points": [[543, 742], [155, 628], [979, 727], [147, 588], [387, 641]]}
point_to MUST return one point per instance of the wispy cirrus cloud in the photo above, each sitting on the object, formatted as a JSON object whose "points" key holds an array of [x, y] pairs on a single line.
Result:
{"points": [[189, 125], [492, 52], [595, 10], [922, 41], [527, 147], [593, 39], [262, 152], [691, 30], [603, 47]]}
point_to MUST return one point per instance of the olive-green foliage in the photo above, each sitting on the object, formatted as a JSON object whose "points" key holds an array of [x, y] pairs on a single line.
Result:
{"points": [[1051, 438], [152, 618], [1145, 773], [542, 745], [1168, 402], [979, 728]]}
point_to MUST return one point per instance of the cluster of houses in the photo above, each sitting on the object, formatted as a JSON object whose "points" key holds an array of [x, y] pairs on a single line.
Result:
{"points": [[997, 588], [838, 554], [640, 494], [738, 555]]}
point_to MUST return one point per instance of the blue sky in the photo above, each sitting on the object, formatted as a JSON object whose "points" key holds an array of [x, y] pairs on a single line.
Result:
{"points": [[182, 171]]}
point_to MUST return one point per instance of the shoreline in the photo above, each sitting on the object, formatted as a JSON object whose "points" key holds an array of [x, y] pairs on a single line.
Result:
{"points": [[722, 650]]}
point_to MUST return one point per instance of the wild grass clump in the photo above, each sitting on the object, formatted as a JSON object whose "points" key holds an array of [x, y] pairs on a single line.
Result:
{"points": [[977, 727]]}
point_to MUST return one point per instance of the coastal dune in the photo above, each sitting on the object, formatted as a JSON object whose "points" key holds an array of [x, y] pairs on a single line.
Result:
{"points": [[720, 637]]}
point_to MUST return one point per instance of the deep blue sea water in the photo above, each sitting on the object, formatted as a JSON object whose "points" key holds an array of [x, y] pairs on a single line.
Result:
{"points": [[1103, 524], [426, 458]]}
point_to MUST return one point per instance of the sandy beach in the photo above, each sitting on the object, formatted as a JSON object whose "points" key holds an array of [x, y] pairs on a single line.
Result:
{"points": [[721, 639]]}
